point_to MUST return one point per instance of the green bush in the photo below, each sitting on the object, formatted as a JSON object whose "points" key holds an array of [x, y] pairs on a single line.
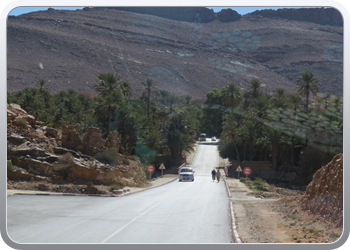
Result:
{"points": [[256, 185], [109, 156], [10, 166], [259, 181], [261, 188]]}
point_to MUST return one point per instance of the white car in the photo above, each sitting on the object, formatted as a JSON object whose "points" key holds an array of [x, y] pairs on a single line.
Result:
{"points": [[186, 174]]}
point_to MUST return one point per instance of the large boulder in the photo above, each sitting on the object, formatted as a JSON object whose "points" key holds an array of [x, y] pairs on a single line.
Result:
{"points": [[16, 115], [93, 142], [70, 138]]}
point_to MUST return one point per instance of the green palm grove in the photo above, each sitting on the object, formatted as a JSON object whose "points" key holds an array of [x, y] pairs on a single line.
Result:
{"points": [[284, 128]]}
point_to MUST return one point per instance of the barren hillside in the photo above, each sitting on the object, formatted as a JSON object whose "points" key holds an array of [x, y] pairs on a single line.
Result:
{"points": [[69, 48]]}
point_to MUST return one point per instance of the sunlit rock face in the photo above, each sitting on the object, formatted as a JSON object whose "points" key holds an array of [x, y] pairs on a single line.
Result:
{"points": [[40, 153]]}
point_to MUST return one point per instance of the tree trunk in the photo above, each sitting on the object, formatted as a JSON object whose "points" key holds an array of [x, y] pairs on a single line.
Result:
{"points": [[274, 157], [238, 158]]}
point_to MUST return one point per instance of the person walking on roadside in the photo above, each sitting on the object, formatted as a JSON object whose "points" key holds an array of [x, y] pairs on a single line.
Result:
{"points": [[218, 175], [213, 174]]}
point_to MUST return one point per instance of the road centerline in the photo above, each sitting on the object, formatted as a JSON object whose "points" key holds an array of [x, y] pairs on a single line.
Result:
{"points": [[129, 223]]}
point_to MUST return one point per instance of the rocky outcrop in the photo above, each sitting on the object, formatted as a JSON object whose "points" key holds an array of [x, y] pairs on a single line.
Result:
{"points": [[324, 194], [19, 117], [71, 138], [34, 154], [324, 16], [92, 142], [228, 15], [187, 14]]}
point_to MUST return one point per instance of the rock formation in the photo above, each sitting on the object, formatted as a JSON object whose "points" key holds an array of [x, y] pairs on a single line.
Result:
{"points": [[324, 194], [192, 14], [323, 16], [40, 153]]}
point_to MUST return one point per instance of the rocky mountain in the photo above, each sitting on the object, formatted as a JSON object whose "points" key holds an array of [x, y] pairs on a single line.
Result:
{"points": [[186, 51]]}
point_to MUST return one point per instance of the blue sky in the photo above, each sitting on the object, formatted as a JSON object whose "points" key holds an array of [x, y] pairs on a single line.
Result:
{"points": [[240, 10]]}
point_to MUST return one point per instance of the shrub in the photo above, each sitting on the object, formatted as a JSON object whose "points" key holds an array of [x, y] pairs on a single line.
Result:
{"points": [[10, 166], [244, 180], [21, 122], [261, 188], [259, 181], [114, 187], [108, 156], [294, 216], [66, 158]]}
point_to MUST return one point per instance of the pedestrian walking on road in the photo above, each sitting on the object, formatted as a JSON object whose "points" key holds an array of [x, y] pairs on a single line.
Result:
{"points": [[218, 175], [213, 174]]}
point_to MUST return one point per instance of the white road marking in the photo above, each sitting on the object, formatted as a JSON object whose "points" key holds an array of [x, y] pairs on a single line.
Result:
{"points": [[127, 224]]}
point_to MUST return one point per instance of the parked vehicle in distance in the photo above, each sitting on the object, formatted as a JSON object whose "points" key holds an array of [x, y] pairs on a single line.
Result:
{"points": [[213, 138], [202, 137], [186, 173]]}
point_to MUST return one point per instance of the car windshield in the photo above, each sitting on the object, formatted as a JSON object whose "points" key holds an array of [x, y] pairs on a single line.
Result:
{"points": [[186, 170]]}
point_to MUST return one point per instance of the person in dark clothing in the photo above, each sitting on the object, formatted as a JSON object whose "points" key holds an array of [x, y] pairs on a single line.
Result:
{"points": [[213, 174], [218, 175]]}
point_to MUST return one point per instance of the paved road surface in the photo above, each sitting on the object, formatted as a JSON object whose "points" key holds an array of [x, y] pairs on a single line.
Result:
{"points": [[178, 212]]}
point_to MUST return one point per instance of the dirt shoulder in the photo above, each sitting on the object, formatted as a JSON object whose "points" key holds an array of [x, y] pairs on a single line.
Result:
{"points": [[275, 216], [34, 187]]}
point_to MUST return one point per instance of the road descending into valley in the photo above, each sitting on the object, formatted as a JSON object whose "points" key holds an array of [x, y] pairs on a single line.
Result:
{"points": [[178, 212]]}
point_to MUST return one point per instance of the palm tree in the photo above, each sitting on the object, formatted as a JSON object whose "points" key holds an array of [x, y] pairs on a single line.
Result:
{"points": [[37, 108], [337, 101], [107, 107], [106, 83], [255, 88], [129, 123], [260, 107], [180, 135], [306, 84], [126, 89], [41, 85], [280, 93], [149, 86], [281, 103], [231, 134], [295, 101], [273, 135], [168, 103], [153, 139], [232, 95], [250, 129]]}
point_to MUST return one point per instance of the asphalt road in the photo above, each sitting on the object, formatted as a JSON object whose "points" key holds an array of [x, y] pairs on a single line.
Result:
{"points": [[178, 212]]}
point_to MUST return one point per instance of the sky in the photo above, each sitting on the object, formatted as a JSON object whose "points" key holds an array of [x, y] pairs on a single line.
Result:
{"points": [[240, 10]]}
